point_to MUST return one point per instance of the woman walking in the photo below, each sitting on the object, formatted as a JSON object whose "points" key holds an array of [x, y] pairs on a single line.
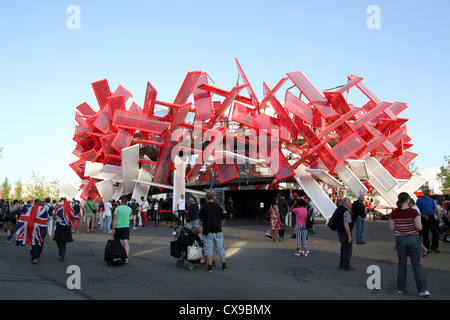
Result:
{"points": [[406, 223]]}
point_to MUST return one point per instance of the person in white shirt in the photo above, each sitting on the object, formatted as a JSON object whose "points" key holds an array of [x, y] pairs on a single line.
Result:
{"points": [[144, 207], [181, 207], [108, 217]]}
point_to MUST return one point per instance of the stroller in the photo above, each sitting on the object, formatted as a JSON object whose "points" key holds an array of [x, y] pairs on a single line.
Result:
{"points": [[444, 227], [184, 238]]}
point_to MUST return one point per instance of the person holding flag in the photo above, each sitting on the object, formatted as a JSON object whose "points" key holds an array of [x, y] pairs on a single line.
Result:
{"points": [[32, 228], [64, 216]]}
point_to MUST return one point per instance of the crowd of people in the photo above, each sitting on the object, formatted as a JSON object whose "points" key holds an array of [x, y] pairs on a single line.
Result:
{"points": [[411, 222], [58, 220]]}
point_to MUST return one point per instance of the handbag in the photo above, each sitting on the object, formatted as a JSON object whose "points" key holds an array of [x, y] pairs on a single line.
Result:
{"points": [[194, 252], [175, 250]]}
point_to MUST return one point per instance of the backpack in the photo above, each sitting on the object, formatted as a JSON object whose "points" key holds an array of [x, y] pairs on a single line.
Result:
{"points": [[332, 223]]}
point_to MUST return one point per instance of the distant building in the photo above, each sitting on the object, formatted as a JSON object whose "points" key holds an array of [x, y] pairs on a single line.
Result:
{"points": [[434, 183]]}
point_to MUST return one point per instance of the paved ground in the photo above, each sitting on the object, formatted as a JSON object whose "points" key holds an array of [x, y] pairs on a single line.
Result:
{"points": [[258, 269]]}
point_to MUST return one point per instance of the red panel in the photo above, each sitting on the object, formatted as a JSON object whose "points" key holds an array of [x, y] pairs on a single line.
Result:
{"points": [[284, 116], [202, 100], [226, 169], [270, 149], [150, 98], [319, 102], [102, 92], [90, 190], [116, 103], [85, 109], [136, 121], [121, 91], [224, 106], [224, 93], [187, 87], [298, 108], [338, 102], [121, 140], [249, 87]]}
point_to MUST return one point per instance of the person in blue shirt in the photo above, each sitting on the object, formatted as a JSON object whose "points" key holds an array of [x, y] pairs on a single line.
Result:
{"points": [[427, 207]]}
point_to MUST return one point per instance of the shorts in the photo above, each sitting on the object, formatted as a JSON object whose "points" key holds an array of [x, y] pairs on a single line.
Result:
{"points": [[90, 217], [214, 240], [122, 234]]}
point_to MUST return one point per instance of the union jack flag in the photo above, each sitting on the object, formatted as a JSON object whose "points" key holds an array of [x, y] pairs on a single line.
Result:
{"points": [[32, 226], [64, 213]]}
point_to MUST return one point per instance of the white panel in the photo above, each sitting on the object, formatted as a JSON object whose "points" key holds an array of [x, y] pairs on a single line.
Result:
{"points": [[69, 190], [390, 196], [378, 172], [103, 171], [350, 180], [358, 167], [130, 167], [145, 174], [412, 185], [315, 192], [106, 189], [325, 177], [118, 192], [170, 187], [178, 181]]}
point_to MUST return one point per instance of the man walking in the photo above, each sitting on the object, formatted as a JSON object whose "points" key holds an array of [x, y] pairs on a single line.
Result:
{"points": [[121, 224], [211, 215], [427, 208]]}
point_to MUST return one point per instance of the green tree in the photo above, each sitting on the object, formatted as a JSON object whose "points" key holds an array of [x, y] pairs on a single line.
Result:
{"points": [[38, 188], [6, 189], [18, 190], [444, 175]]}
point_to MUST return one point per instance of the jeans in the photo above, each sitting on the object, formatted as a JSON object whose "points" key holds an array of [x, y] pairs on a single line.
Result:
{"points": [[107, 224], [359, 228], [214, 240], [410, 245], [346, 250]]}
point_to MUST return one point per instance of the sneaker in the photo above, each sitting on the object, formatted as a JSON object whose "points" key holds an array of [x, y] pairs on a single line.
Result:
{"points": [[209, 269], [297, 254], [400, 292], [224, 267], [61, 257], [425, 293], [34, 261], [305, 254]]}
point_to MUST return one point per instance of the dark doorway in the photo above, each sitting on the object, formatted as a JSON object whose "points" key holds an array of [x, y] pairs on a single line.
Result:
{"points": [[247, 202]]}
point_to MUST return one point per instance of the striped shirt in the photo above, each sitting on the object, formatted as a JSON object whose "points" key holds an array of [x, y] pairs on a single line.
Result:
{"points": [[404, 222]]}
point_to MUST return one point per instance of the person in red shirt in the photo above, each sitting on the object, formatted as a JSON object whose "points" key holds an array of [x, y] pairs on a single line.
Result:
{"points": [[406, 224]]}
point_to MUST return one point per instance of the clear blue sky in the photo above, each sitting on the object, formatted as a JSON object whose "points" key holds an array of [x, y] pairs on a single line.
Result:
{"points": [[47, 69]]}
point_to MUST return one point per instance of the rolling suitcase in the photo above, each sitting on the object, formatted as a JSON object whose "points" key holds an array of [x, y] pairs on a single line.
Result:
{"points": [[115, 253]]}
